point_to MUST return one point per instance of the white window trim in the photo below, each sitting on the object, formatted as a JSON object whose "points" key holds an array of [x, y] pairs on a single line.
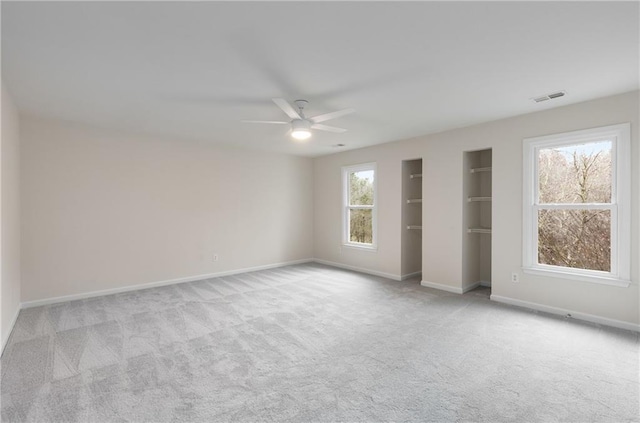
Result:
{"points": [[620, 206], [345, 207]]}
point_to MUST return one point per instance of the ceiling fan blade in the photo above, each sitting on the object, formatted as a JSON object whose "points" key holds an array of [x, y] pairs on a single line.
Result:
{"points": [[287, 108], [327, 128], [265, 121], [332, 115]]}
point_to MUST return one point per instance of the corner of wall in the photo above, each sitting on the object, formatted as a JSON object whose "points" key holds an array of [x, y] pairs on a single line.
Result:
{"points": [[10, 273]]}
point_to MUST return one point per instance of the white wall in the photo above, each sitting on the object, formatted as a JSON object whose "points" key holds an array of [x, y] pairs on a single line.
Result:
{"points": [[443, 229], [105, 210], [9, 217]]}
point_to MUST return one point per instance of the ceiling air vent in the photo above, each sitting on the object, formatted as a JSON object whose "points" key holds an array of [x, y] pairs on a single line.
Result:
{"points": [[549, 96]]}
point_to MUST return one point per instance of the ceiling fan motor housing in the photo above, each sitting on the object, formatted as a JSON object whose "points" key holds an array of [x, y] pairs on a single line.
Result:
{"points": [[300, 129], [300, 125]]}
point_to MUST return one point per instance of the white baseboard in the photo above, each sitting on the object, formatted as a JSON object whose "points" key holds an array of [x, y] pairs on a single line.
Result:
{"points": [[92, 294], [470, 287], [485, 283], [454, 289], [5, 337], [448, 288], [410, 275], [563, 312], [457, 290], [359, 269]]}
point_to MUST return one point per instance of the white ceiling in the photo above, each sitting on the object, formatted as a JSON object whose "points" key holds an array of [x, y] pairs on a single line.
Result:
{"points": [[195, 69]]}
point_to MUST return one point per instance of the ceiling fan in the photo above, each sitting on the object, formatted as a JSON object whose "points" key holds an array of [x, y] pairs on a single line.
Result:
{"points": [[300, 124]]}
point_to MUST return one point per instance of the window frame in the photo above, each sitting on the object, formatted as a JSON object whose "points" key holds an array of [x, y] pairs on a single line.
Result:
{"points": [[346, 207], [620, 205]]}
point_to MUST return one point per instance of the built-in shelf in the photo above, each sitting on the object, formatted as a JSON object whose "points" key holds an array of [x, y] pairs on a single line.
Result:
{"points": [[477, 216], [472, 199], [411, 220], [480, 169], [479, 230]]}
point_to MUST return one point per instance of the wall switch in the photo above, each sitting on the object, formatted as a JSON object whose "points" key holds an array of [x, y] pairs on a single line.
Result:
{"points": [[215, 257], [515, 278]]}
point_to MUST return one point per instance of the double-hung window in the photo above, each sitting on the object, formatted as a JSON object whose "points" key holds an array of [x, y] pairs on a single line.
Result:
{"points": [[359, 205], [576, 210]]}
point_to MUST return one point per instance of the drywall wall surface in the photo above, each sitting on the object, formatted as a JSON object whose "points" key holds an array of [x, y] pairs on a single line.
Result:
{"points": [[106, 210], [599, 300], [442, 221], [485, 218], [329, 208], [9, 216]]}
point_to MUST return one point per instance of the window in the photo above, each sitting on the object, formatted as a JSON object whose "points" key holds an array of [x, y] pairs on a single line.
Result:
{"points": [[359, 215], [576, 214]]}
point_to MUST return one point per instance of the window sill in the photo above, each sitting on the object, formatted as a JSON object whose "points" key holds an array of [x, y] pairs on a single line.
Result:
{"points": [[362, 247], [602, 280]]}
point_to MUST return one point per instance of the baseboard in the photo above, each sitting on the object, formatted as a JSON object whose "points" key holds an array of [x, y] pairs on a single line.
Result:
{"points": [[359, 269], [506, 300], [128, 288], [564, 312], [5, 338], [485, 283], [448, 288], [410, 275], [470, 287]]}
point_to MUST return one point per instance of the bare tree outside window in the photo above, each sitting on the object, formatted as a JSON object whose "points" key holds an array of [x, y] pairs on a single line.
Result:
{"points": [[576, 216], [573, 231], [361, 192]]}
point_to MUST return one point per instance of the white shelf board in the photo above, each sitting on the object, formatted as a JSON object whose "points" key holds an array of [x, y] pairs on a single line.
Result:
{"points": [[414, 200], [472, 199], [479, 230], [480, 169], [414, 227]]}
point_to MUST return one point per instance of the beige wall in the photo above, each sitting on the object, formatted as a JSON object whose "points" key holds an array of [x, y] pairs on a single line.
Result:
{"points": [[9, 217], [386, 260], [443, 205], [103, 210]]}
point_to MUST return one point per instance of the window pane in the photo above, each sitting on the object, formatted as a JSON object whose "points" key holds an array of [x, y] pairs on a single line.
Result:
{"points": [[578, 173], [579, 239], [360, 226], [361, 188]]}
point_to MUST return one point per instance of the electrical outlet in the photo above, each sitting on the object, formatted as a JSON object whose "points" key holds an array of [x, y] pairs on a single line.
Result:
{"points": [[215, 257], [515, 278]]}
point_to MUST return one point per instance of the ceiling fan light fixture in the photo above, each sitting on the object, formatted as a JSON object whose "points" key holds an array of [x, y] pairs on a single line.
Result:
{"points": [[300, 124], [300, 129], [301, 134]]}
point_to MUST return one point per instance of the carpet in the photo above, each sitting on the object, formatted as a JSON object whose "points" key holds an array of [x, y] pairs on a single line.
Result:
{"points": [[312, 343]]}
